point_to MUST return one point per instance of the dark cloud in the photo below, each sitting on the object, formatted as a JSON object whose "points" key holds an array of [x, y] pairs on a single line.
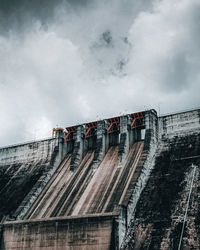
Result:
{"points": [[19, 15], [67, 62], [38, 7]]}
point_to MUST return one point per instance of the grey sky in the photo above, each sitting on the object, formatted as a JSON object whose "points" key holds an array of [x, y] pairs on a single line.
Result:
{"points": [[68, 62]]}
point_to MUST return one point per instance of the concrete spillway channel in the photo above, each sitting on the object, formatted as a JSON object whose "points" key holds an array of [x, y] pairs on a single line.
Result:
{"points": [[84, 200], [86, 190], [51, 192], [105, 188]]}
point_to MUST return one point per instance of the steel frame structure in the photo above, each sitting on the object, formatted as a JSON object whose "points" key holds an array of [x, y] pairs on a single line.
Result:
{"points": [[113, 124], [137, 119], [70, 131], [90, 129]]}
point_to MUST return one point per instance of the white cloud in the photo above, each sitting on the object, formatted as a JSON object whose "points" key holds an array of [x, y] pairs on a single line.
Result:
{"points": [[89, 63]]}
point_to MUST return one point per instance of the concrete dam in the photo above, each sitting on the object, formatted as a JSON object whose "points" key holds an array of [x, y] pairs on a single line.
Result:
{"points": [[127, 182]]}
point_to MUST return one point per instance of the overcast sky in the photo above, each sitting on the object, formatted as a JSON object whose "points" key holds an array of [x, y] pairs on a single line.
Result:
{"points": [[68, 62]]}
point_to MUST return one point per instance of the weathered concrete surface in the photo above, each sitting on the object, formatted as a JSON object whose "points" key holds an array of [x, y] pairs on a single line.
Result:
{"points": [[158, 219], [179, 123], [140, 178], [92, 233], [87, 190], [105, 178], [23, 167], [160, 211]]}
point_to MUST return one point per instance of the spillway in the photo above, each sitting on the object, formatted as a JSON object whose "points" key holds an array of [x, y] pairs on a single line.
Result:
{"points": [[87, 190], [125, 182]]}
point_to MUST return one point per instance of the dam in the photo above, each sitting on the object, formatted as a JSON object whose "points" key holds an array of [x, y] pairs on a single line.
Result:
{"points": [[127, 182]]}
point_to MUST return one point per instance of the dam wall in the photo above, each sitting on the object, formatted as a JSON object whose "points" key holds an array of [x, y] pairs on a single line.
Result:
{"points": [[101, 164], [118, 183], [167, 212]]}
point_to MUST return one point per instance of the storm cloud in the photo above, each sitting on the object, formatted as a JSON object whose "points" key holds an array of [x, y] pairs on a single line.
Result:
{"points": [[68, 62]]}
